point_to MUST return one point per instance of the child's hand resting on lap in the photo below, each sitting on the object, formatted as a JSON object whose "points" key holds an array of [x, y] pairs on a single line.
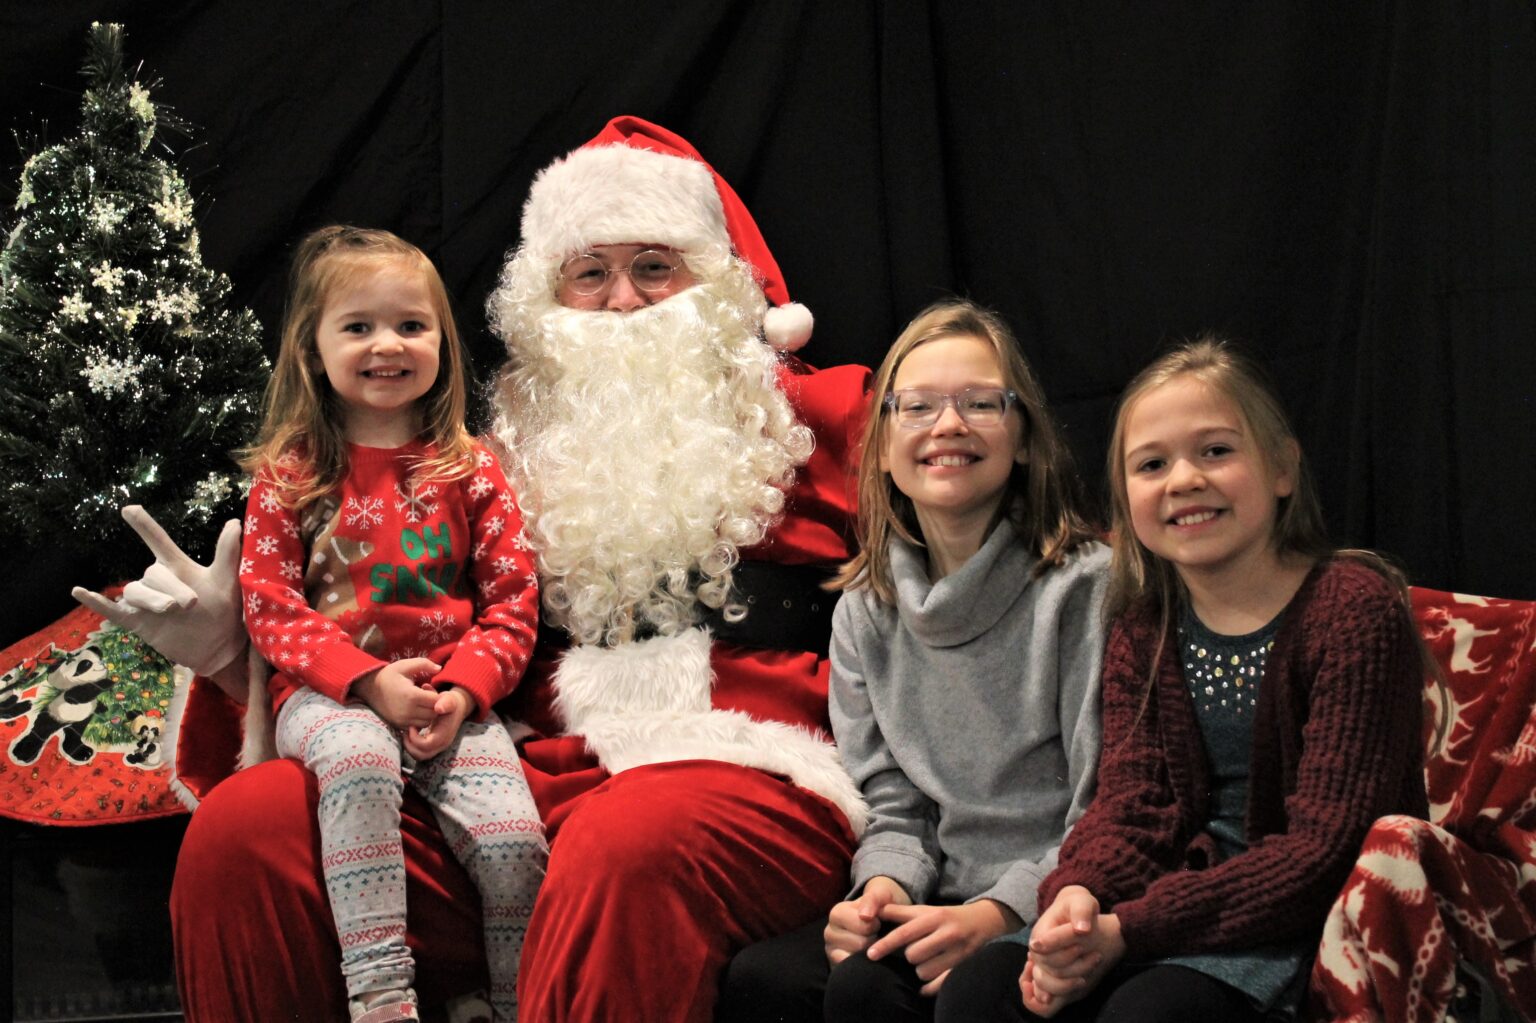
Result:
{"points": [[935, 939], [395, 692], [854, 925], [451, 708], [1071, 948]]}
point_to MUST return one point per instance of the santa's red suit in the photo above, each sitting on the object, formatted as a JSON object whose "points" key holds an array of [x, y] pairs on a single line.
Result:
{"points": [[656, 874], [693, 801]]}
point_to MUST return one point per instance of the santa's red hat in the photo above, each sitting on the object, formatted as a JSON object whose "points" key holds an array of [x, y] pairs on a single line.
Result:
{"points": [[638, 183]]}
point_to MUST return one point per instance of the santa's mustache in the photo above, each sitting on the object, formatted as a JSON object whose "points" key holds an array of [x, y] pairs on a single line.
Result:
{"points": [[649, 448]]}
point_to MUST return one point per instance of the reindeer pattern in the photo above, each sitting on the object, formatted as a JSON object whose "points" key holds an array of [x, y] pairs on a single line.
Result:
{"points": [[328, 584]]}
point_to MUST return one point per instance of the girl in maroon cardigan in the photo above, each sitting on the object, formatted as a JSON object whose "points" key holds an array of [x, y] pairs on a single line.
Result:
{"points": [[1262, 706]]}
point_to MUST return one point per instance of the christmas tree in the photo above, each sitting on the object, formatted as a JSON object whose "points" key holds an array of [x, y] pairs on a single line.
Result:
{"points": [[139, 688], [124, 376]]}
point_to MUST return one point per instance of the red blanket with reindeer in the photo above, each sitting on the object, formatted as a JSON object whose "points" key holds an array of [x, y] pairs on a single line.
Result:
{"points": [[1461, 886]]}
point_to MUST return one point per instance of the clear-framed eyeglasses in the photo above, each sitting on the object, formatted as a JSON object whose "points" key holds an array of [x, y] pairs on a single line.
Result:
{"points": [[649, 271], [978, 406]]}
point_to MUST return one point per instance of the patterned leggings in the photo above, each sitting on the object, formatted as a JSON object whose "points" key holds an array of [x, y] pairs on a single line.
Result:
{"points": [[477, 790]]}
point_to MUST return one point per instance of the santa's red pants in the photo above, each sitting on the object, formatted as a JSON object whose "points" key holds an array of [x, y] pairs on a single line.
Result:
{"points": [[656, 876]]}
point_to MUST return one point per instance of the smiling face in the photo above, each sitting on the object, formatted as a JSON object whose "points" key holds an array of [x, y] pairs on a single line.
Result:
{"points": [[1200, 493], [378, 339], [953, 472]]}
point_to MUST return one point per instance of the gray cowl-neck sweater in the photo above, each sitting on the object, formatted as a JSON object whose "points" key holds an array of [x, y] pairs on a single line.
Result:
{"points": [[969, 716]]}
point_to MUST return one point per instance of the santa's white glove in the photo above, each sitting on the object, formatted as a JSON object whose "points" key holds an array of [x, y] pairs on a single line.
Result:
{"points": [[188, 612]]}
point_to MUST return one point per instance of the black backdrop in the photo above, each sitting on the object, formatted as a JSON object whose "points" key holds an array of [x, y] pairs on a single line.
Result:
{"points": [[1347, 187]]}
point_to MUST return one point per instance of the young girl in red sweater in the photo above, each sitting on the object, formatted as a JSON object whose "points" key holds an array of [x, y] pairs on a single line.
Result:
{"points": [[1262, 706], [386, 581]]}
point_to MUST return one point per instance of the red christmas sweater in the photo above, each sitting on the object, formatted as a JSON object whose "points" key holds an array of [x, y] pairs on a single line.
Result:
{"points": [[390, 567]]}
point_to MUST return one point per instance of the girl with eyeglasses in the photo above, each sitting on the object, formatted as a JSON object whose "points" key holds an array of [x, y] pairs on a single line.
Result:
{"points": [[966, 652]]}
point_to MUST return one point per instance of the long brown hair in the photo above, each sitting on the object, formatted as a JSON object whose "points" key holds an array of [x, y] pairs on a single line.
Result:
{"points": [[302, 425], [1140, 579], [1137, 576], [1042, 496]]}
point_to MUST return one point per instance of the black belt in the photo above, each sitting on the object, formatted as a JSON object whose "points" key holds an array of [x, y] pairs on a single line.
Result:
{"points": [[785, 609]]}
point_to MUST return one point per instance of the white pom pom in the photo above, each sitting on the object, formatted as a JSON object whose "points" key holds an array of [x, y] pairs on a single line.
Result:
{"points": [[788, 327]]}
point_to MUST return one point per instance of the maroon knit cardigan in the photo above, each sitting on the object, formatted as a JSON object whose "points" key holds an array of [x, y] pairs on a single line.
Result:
{"points": [[1337, 742]]}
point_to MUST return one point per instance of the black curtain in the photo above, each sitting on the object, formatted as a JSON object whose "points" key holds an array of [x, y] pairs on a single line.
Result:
{"points": [[1346, 187]]}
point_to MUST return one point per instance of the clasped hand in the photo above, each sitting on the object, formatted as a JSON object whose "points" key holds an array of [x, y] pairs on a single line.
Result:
{"points": [[401, 693], [1071, 947], [934, 939]]}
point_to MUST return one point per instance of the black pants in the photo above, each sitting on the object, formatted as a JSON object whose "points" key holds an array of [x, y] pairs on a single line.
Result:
{"points": [[788, 980], [987, 984]]}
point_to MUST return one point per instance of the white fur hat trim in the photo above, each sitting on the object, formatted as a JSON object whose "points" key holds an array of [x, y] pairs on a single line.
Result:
{"points": [[615, 195]]}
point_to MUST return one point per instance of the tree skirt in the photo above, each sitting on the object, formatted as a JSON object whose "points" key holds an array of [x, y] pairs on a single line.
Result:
{"points": [[82, 708]]}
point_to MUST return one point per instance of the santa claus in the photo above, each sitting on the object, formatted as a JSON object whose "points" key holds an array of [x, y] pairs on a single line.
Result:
{"points": [[686, 485]]}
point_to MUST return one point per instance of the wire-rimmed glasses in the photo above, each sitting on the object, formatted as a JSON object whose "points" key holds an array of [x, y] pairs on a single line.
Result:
{"points": [[916, 409], [650, 271]]}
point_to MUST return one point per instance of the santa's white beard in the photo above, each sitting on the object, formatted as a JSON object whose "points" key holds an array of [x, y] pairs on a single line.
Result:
{"points": [[647, 447]]}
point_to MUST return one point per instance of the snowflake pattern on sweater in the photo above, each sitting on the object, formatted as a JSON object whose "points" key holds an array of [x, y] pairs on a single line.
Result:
{"points": [[389, 567]]}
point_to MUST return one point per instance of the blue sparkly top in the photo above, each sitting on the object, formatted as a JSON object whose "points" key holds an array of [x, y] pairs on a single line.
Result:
{"points": [[1224, 674]]}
